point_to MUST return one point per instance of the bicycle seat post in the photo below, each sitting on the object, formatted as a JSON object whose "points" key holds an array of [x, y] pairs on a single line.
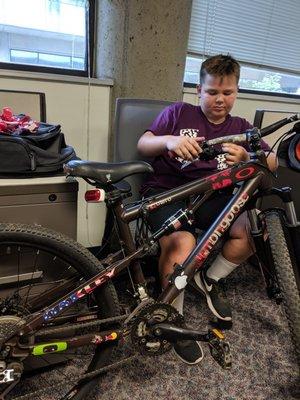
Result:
{"points": [[115, 201]]}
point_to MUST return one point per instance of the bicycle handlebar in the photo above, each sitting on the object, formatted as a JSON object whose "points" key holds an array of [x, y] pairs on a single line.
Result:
{"points": [[251, 136], [246, 137], [273, 127]]}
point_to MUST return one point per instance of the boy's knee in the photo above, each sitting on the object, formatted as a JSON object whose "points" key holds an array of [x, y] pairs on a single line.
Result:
{"points": [[240, 228], [178, 242], [238, 232]]}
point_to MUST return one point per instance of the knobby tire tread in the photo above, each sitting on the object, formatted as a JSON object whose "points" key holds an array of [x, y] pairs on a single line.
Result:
{"points": [[83, 261], [285, 276]]}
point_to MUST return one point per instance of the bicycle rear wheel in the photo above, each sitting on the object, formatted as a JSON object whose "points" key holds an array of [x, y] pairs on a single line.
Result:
{"points": [[35, 261], [285, 275]]}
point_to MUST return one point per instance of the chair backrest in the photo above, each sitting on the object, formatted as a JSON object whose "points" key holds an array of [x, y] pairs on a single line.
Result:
{"points": [[132, 118]]}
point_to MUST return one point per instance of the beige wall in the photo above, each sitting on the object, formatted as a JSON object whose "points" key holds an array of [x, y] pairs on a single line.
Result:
{"points": [[247, 104]]}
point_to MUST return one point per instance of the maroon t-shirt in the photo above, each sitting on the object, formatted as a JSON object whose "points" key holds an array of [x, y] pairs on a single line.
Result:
{"points": [[188, 120]]}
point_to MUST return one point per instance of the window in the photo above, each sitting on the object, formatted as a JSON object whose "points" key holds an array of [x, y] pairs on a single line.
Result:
{"points": [[45, 35], [51, 60], [263, 35]]}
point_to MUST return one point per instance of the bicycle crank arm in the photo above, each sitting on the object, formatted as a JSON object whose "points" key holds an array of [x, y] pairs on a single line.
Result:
{"points": [[219, 347], [173, 333]]}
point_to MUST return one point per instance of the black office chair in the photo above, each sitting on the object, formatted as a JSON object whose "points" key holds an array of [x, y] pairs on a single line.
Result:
{"points": [[132, 118]]}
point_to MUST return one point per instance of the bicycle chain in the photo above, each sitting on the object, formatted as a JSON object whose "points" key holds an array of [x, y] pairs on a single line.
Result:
{"points": [[47, 331], [129, 320], [92, 374], [89, 375]]}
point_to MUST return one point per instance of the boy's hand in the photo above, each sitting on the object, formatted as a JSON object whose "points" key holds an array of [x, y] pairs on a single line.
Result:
{"points": [[235, 153], [184, 146]]}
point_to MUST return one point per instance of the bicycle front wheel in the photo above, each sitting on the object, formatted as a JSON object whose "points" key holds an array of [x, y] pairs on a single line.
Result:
{"points": [[285, 275], [39, 266]]}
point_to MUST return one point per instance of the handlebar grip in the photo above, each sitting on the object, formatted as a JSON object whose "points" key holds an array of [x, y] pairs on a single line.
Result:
{"points": [[228, 139]]}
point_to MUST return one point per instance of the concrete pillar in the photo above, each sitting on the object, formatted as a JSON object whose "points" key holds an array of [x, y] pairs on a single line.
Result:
{"points": [[142, 45]]}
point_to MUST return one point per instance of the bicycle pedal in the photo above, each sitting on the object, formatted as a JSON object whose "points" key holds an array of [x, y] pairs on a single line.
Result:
{"points": [[219, 348]]}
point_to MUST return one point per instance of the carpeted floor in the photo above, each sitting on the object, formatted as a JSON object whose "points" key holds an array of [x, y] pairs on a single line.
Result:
{"points": [[264, 365]]}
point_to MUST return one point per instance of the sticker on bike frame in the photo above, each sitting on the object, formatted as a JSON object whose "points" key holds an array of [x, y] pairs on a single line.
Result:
{"points": [[220, 180], [111, 336], [180, 281], [73, 297], [221, 228], [47, 348], [245, 173], [221, 185], [100, 339], [225, 178]]}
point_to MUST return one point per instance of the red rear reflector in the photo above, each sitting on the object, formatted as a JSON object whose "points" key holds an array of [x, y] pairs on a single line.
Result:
{"points": [[94, 196]]}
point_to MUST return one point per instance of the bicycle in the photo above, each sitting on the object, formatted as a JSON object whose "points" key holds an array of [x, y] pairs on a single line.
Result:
{"points": [[62, 289]]}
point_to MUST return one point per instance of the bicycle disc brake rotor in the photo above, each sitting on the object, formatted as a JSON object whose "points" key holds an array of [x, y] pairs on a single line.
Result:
{"points": [[141, 331]]}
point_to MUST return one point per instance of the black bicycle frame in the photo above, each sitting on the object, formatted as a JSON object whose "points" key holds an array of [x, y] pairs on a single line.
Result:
{"points": [[253, 175], [184, 273]]}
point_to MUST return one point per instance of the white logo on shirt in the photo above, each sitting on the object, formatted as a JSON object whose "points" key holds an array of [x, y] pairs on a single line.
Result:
{"points": [[221, 160], [190, 133]]}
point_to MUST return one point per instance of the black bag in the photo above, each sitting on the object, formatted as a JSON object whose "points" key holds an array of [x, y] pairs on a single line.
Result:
{"points": [[44, 151]]}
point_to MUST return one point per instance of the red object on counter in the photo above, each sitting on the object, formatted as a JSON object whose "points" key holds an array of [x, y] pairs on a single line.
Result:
{"points": [[16, 124]]}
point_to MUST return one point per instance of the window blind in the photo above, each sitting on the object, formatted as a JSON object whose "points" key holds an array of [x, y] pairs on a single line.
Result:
{"points": [[263, 33]]}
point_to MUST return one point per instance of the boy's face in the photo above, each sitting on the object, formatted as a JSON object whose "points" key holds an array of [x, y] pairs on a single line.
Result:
{"points": [[217, 96]]}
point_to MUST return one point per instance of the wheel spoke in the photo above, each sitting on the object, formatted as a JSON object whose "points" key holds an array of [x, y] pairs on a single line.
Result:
{"points": [[39, 267]]}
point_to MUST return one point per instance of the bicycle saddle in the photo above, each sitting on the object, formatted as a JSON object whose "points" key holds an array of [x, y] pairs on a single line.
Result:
{"points": [[105, 173]]}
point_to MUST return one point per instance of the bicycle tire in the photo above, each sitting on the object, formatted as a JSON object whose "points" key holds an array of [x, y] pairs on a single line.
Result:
{"points": [[67, 252], [285, 275]]}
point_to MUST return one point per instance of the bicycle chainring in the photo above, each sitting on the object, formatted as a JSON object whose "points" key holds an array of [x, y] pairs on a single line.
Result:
{"points": [[141, 330]]}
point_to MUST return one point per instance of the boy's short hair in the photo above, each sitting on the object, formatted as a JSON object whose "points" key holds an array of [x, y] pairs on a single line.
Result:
{"points": [[220, 65]]}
